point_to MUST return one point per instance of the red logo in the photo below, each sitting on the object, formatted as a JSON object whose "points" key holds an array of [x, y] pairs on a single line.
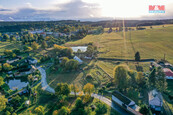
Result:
{"points": [[157, 8]]}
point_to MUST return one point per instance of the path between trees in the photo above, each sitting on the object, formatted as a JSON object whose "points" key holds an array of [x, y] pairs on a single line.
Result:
{"points": [[46, 87]]}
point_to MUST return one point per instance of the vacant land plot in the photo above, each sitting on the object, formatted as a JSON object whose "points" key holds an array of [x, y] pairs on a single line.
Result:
{"points": [[151, 43]]}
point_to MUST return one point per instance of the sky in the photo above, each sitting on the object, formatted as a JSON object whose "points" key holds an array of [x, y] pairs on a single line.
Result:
{"points": [[25, 10]]}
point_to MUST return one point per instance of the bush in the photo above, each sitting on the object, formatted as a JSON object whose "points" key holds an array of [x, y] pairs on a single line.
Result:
{"points": [[89, 76], [101, 108]]}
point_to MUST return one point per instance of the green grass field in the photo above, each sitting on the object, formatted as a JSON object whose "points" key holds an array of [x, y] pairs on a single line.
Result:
{"points": [[151, 43]]}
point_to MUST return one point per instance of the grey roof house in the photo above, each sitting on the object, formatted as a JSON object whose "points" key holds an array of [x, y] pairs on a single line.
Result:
{"points": [[155, 100]]}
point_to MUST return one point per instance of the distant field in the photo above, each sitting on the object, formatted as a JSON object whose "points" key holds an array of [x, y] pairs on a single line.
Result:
{"points": [[147, 27], [151, 43]]}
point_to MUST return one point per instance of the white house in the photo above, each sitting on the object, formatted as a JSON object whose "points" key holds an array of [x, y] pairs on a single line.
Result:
{"points": [[155, 100], [78, 59]]}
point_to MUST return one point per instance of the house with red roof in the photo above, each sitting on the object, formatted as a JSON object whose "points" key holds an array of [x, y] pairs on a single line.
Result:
{"points": [[168, 73]]}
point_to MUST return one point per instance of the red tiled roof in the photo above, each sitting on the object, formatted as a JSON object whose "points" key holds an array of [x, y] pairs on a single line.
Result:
{"points": [[168, 72]]}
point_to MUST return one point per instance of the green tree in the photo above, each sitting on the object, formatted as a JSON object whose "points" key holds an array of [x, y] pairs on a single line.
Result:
{"points": [[71, 64], [79, 104], [90, 51], [62, 89], [7, 67], [34, 46], [88, 88], [39, 110], [27, 49], [7, 113], [144, 110], [3, 102], [1, 81], [141, 80], [6, 37], [121, 77], [64, 111], [12, 38], [161, 83], [44, 45], [64, 61], [101, 108], [16, 100], [152, 78], [137, 56]]}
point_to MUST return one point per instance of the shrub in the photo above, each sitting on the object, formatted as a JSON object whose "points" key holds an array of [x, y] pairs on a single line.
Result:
{"points": [[100, 108]]}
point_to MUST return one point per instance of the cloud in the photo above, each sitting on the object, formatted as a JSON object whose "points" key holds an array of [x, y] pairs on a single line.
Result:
{"points": [[76, 9], [72, 10], [28, 4]]}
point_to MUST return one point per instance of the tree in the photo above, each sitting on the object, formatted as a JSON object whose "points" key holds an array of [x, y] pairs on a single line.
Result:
{"points": [[75, 89], [121, 77], [79, 104], [30, 78], [34, 46], [7, 67], [64, 61], [100, 108], [88, 88], [90, 51], [27, 49], [3, 102], [6, 37], [64, 111], [140, 79], [71, 64], [132, 75], [1, 81], [16, 100], [62, 89], [44, 45], [152, 78], [39, 110], [144, 109], [161, 83], [12, 38], [137, 56]]}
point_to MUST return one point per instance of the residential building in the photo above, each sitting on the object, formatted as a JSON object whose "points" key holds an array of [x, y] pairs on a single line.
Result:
{"points": [[168, 73], [155, 100]]}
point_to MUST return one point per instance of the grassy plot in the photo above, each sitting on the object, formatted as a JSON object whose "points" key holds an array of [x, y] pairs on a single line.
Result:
{"points": [[98, 76], [151, 43]]}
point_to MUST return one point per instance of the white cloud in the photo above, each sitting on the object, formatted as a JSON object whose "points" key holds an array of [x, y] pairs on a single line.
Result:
{"points": [[28, 4], [82, 9]]}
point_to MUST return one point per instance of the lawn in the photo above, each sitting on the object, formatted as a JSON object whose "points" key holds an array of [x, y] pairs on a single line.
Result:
{"points": [[151, 43]]}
